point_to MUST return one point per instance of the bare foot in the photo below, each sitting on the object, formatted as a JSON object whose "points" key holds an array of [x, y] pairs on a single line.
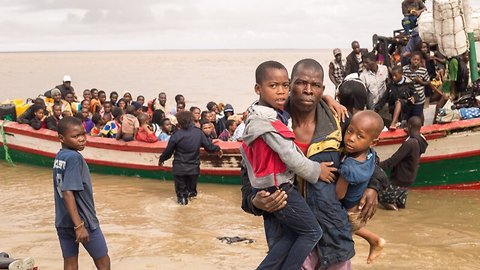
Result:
{"points": [[376, 250]]}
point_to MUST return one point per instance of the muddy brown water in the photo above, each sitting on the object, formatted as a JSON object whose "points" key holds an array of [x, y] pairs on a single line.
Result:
{"points": [[146, 229]]}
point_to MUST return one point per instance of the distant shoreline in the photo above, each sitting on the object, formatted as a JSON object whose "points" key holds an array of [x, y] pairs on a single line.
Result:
{"points": [[173, 50]]}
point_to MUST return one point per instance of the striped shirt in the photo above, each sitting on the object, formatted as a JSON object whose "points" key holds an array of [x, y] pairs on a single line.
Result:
{"points": [[419, 89], [338, 70]]}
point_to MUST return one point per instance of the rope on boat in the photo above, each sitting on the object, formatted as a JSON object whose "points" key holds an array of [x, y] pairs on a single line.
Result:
{"points": [[4, 140]]}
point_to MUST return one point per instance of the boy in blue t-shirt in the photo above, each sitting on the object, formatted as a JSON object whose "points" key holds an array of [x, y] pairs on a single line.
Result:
{"points": [[356, 170], [75, 217]]}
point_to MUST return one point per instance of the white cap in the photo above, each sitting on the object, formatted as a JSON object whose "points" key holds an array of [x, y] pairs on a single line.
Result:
{"points": [[67, 78]]}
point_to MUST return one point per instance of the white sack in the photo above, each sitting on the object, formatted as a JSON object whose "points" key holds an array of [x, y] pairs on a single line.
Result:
{"points": [[450, 28]]}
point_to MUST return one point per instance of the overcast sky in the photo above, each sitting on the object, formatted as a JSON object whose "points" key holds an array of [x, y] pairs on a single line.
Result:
{"points": [[52, 25]]}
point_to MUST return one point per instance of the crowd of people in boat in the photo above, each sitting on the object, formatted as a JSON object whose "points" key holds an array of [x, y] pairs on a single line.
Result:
{"points": [[128, 119], [403, 75], [414, 76]]}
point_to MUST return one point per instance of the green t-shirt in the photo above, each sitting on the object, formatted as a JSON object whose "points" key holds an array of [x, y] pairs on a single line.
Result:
{"points": [[452, 73]]}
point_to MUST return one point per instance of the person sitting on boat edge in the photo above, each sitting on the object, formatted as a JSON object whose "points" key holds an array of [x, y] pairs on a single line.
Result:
{"points": [[39, 121], [186, 143], [358, 166], [400, 97], [75, 215], [404, 164], [52, 120], [27, 116]]}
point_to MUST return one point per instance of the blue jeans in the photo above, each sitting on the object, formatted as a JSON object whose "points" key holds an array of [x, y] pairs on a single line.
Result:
{"points": [[408, 23], [291, 233]]}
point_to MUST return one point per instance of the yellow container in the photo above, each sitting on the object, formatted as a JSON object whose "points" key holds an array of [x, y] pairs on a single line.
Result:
{"points": [[21, 108]]}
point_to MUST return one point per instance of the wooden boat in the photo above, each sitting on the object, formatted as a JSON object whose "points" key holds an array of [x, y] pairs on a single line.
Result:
{"points": [[109, 156], [452, 159]]}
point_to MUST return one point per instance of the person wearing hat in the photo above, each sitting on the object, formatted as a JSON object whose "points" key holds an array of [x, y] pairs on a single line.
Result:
{"points": [[65, 87], [221, 124], [336, 68]]}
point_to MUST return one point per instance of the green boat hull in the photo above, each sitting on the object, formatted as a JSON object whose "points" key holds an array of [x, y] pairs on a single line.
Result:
{"points": [[38, 160]]}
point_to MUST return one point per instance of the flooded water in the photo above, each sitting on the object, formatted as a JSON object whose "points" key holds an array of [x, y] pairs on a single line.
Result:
{"points": [[146, 229]]}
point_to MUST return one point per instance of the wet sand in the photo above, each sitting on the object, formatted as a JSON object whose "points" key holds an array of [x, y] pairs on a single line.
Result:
{"points": [[146, 229]]}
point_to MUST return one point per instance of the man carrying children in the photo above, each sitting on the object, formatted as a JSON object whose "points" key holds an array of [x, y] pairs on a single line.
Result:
{"points": [[318, 134]]}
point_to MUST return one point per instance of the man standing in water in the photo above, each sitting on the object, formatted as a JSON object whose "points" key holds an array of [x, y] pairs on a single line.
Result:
{"points": [[318, 134]]}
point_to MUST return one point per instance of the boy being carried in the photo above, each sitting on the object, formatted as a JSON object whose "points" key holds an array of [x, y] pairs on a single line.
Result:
{"points": [[404, 164], [272, 158], [356, 170]]}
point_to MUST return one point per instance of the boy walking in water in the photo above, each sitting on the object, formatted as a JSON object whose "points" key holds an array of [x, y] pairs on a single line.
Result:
{"points": [[272, 158], [75, 216], [185, 145], [356, 170], [404, 164]]}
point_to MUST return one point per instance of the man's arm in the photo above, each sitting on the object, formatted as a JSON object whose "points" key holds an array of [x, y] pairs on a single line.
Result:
{"points": [[257, 203], [168, 151], [337, 109], [369, 201]]}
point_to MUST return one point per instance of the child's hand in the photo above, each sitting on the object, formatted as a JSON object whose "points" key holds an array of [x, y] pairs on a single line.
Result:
{"points": [[412, 100], [326, 173], [81, 235], [418, 79], [220, 153], [160, 163]]}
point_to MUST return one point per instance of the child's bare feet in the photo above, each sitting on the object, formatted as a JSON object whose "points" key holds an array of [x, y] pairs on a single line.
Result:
{"points": [[376, 250]]}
